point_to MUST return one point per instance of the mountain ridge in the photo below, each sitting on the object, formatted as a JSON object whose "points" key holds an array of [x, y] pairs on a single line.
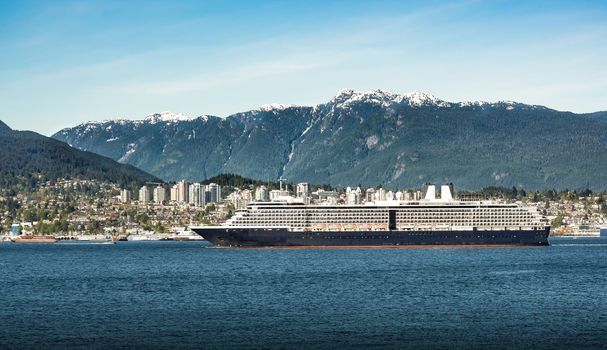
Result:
{"points": [[28, 157], [373, 137], [415, 98]]}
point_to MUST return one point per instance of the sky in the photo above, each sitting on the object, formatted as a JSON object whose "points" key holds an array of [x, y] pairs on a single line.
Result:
{"points": [[66, 62]]}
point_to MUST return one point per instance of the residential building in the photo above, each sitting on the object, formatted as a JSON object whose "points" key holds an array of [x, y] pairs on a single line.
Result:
{"points": [[214, 193], [174, 190], [352, 197], [196, 195], [159, 194], [183, 191], [125, 196], [145, 195], [370, 195], [261, 194], [302, 190], [276, 194], [381, 194]]}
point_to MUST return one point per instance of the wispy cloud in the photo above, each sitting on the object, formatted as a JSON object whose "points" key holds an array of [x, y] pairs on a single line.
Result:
{"points": [[229, 76], [100, 59]]}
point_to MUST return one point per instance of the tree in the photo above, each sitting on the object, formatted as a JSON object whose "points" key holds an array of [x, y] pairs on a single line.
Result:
{"points": [[558, 221]]}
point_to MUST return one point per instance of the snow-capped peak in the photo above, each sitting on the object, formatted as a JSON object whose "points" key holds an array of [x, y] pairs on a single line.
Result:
{"points": [[418, 98], [167, 117], [274, 107], [385, 98], [509, 104], [118, 120]]}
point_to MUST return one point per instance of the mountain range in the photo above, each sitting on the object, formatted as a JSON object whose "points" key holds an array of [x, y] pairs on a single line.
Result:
{"points": [[27, 158], [370, 138]]}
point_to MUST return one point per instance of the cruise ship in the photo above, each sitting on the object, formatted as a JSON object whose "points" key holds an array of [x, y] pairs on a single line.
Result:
{"points": [[430, 221]]}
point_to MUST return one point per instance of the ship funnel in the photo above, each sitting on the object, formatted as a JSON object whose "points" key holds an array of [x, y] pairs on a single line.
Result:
{"points": [[445, 193], [430, 192]]}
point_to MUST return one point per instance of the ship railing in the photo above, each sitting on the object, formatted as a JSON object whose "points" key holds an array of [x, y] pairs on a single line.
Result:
{"points": [[507, 228]]}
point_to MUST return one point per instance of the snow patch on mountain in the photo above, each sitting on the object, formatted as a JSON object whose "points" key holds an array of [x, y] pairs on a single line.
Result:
{"points": [[306, 130], [163, 117], [117, 120], [347, 97], [275, 107], [371, 141], [284, 167], [167, 116], [131, 148], [419, 99], [472, 103]]}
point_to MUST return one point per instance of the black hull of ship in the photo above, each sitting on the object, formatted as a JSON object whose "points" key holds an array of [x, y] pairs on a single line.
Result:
{"points": [[281, 237]]}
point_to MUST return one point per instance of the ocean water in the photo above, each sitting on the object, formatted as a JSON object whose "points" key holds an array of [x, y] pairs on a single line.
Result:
{"points": [[187, 295]]}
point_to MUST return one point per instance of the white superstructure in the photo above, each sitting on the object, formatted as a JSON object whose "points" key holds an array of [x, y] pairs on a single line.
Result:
{"points": [[436, 214]]}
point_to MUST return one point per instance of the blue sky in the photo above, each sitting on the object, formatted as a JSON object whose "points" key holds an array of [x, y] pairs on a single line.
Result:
{"points": [[66, 62]]}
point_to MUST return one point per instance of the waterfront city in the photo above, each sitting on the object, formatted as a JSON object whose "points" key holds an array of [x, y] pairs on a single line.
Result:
{"points": [[85, 209]]}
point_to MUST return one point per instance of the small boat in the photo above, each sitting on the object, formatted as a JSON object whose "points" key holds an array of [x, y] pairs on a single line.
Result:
{"points": [[187, 236], [95, 239], [87, 242]]}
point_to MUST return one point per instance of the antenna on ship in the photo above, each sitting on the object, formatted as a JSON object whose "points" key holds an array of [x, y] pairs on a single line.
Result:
{"points": [[280, 180]]}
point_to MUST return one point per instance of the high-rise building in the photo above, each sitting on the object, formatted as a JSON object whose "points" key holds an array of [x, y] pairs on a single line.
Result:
{"points": [[182, 191], [159, 194], [370, 195], [125, 196], [196, 195], [246, 196], [214, 193], [174, 190], [353, 197], [381, 194], [327, 196], [240, 199], [302, 190], [145, 195], [399, 196], [261, 194], [276, 194]]}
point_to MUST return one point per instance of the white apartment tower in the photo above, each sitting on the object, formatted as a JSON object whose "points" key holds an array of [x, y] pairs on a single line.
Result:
{"points": [[159, 194], [145, 195], [370, 195], [197, 195], [353, 197], [125, 196], [261, 194], [302, 190], [381, 194], [174, 190], [213, 193]]}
